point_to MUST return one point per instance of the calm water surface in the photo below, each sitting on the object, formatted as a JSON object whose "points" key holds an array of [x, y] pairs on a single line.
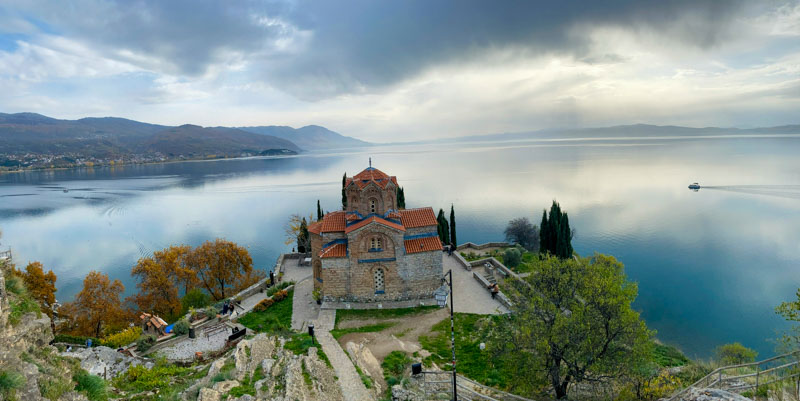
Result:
{"points": [[711, 265]]}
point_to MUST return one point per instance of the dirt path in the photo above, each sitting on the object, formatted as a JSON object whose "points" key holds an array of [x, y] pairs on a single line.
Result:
{"points": [[403, 336]]}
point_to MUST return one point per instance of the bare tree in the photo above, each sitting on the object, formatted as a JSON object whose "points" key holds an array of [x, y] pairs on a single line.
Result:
{"points": [[521, 231]]}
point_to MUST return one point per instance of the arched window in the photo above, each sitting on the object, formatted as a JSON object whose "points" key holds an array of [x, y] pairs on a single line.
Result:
{"points": [[372, 207], [380, 286], [375, 244]]}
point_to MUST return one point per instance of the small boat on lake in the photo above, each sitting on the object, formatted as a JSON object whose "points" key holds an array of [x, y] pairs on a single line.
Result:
{"points": [[694, 186]]}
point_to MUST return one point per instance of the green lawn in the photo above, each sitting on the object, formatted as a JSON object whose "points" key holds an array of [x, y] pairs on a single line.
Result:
{"points": [[277, 318], [471, 361], [357, 314]]}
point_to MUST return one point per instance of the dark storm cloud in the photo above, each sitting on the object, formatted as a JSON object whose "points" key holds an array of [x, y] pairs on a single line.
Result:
{"points": [[317, 49]]}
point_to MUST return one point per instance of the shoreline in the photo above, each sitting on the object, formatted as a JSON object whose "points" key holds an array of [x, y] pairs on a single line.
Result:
{"points": [[105, 166]]}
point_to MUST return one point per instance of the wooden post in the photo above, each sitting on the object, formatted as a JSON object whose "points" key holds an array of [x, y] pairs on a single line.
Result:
{"points": [[758, 370], [719, 380]]}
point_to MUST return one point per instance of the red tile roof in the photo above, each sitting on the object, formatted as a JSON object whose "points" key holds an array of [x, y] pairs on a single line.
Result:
{"points": [[371, 174], [421, 217], [334, 251], [315, 227], [333, 222], [374, 219], [426, 244]]}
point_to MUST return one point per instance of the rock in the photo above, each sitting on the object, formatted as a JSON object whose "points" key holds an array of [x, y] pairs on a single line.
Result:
{"points": [[711, 394], [224, 387], [207, 394], [102, 361]]}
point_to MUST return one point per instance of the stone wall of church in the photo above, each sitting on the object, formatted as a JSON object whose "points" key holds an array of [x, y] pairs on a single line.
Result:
{"points": [[359, 199], [406, 277]]}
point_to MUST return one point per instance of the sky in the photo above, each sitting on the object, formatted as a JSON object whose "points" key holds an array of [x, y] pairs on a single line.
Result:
{"points": [[405, 70]]}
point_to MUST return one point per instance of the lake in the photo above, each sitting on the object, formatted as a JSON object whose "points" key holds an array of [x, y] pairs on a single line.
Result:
{"points": [[711, 265]]}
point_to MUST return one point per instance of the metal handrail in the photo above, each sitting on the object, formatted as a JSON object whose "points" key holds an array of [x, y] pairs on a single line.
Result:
{"points": [[708, 379]]}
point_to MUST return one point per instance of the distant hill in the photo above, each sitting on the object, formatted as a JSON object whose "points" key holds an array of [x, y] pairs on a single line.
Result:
{"points": [[195, 140], [310, 137], [108, 138]]}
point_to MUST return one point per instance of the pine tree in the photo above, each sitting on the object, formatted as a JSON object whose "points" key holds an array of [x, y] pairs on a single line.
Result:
{"points": [[319, 211], [444, 230], [453, 241], [344, 193], [302, 237]]}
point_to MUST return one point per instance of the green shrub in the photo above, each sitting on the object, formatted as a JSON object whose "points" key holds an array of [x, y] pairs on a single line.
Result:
{"points": [[272, 290], [10, 382], [195, 298], [122, 338], [210, 312], [79, 340], [181, 327], [93, 386], [735, 354], [512, 257], [145, 342], [668, 356]]}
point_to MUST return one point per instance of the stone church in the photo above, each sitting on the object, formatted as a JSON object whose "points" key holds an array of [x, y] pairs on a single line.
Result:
{"points": [[372, 251]]}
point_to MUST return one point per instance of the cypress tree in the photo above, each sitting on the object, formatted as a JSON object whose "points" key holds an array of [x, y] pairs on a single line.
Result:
{"points": [[401, 198], [444, 231], [302, 237], [555, 236], [319, 211], [544, 233], [344, 194], [453, 241]]}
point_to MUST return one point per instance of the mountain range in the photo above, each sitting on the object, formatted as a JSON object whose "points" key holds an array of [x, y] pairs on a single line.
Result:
{"points": [[107, 137]]}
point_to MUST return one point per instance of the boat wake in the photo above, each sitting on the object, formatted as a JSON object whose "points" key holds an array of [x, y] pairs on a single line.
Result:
{"points": [[780, 191]]}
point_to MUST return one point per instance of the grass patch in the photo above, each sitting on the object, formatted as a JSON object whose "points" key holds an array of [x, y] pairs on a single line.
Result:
{"points": [[21, 302], [668, 356], [94, 387], [364, 378], [358, 314], [9, 383], [299, 343], [306, 375], [277, 318], [394, 366], [248, 385], [337, 333], [163, 375], [472, 362]]}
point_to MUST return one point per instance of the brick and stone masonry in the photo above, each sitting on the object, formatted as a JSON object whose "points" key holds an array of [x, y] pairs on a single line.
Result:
{"points": [[373, 252]]}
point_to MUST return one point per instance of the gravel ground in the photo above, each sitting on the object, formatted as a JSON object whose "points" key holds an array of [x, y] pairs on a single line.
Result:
{"points": [[185, 349]]}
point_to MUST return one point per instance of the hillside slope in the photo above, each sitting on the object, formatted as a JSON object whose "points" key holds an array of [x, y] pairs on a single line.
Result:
{"points": [[310, 137], [194, 140]]}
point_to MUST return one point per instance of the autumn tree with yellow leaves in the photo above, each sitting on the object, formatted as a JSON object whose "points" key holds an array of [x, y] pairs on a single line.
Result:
{"points": [[97, 308], [159, 279], [223, 268], [41, 286]]}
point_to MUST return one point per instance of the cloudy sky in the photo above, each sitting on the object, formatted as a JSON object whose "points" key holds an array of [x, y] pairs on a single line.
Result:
{"points": [[404, 70]]}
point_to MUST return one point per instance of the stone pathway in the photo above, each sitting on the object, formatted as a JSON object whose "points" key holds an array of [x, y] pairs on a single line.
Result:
{"points": [[470, 296], [349, 380], [304, 309]]}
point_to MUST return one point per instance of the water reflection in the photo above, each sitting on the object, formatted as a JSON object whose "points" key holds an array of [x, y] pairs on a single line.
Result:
{"points": [[710, 265]]}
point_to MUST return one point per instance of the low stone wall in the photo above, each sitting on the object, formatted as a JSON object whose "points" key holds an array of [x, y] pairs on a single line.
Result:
{"points": [[462, 261], [485, 283], [478, 247], [497, 265], [378, 305]]}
